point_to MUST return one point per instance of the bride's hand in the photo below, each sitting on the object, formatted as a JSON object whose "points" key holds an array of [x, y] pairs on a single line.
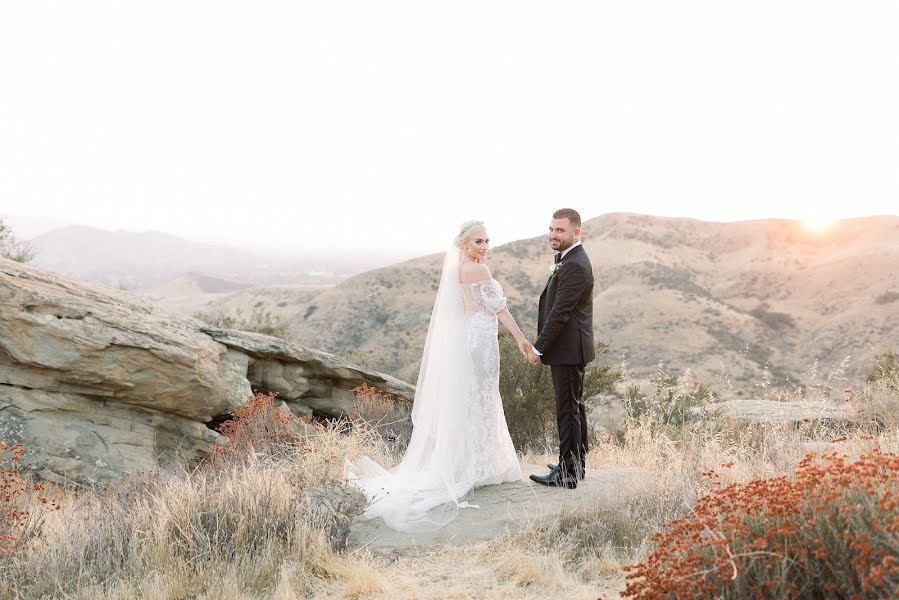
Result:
{"points": [[525, 347]]}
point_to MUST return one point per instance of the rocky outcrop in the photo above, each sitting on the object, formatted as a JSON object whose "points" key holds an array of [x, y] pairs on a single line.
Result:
{"points": [[96, 382], [795, 411], [308, 380]]}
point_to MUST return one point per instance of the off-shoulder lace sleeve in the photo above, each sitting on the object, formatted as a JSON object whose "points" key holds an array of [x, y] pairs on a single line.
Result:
{"points": [[493, 296]]}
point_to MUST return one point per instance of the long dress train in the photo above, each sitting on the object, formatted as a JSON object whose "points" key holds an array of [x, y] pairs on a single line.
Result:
{"points": [[460, 440]]}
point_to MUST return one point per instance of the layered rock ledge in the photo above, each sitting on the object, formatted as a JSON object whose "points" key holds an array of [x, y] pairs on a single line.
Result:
{"points": [[97, 382]]}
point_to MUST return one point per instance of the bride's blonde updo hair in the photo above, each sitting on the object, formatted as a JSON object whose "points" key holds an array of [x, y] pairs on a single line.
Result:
{"points": [[467, 231]]}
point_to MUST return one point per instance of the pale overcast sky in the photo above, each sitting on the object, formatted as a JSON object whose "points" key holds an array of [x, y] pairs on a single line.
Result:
{"points": [[379, 125]]}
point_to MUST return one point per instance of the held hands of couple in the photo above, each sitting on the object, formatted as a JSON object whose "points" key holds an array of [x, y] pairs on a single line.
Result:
{"points": [[528, 351]]}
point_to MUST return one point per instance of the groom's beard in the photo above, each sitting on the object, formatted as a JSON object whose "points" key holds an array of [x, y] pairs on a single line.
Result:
{"points": [[563, 245]]}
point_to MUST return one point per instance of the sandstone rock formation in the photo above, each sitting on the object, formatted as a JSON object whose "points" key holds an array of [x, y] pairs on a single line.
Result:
{"points": [[96, 382], [309, 381]]}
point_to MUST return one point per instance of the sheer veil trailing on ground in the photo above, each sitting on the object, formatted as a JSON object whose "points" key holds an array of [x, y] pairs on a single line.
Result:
{"points": [[426, 489]]}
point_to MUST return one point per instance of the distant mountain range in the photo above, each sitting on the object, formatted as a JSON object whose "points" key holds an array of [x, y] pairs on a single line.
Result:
{"points": [[139, 261], [27, 228], [747, 304], [193, 293]]}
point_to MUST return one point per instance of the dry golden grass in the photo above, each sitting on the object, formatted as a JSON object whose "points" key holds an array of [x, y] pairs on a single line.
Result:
{"points": [[491, 570], [190, 533], [264, 526]]}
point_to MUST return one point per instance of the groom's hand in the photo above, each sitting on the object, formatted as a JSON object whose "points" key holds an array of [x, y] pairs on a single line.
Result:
{"points": [[525, 347], [533, 358]]}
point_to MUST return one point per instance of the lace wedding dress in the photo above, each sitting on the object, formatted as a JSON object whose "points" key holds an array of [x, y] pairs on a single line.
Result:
{"points": [[460, 440]]}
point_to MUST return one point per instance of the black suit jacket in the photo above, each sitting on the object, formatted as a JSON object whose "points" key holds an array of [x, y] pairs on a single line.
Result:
{"points": [[565, 319]]}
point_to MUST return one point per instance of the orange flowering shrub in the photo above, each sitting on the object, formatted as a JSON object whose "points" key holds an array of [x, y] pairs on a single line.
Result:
{"points": [[258, 428], [16, 500], [830, 531], [373, 402]]}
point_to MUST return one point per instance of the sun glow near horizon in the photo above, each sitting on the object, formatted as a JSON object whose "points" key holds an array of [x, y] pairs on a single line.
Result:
{"points": [[818, 224]]}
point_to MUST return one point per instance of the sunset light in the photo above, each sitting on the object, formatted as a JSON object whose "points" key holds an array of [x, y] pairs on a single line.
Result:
{"points": [[818, 224], [311, 299]]}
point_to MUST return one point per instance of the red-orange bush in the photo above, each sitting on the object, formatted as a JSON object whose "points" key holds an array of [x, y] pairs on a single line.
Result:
{"points": [[17, 497], [258, 428], [369, 399], [830, 531]]}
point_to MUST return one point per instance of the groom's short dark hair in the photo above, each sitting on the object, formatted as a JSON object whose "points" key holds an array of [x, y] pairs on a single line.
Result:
{"points": [[573, 216]]}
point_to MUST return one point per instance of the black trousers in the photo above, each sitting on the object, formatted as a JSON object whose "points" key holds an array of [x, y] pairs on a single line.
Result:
{"points": [[571, 417]]}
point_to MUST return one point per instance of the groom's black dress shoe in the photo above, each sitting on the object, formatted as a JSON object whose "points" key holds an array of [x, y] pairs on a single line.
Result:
{"points": [[555, 467], [555, 479]]}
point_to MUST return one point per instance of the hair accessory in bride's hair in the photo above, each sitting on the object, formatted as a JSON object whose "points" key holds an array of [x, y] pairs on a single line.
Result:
{"points": [[466, 231]]}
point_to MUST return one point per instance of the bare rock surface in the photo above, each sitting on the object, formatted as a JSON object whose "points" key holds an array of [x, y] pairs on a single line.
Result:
{"points": [[749, 409], [97, 382], [501, 508]]}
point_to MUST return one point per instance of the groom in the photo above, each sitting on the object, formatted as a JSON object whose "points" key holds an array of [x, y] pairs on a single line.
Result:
{"points": [[565, 342]]}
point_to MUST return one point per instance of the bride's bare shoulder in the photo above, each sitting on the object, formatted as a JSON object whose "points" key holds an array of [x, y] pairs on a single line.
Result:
{"points": [[470, 272]]}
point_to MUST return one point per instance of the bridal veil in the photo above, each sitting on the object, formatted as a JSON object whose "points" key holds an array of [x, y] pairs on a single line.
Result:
{"points": [[427, 488]]}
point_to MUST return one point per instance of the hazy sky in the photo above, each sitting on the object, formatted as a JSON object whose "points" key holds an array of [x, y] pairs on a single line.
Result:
{"points": [[382, 125]]}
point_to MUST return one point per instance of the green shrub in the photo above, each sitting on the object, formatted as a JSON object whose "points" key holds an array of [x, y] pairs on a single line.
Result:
{"points": [[529, 399], [885, 370], [887, 297], [259, 321], [673, 402], [774, 320]]}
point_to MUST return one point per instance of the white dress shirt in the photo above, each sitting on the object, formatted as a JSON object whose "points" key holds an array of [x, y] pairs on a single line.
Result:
{"points": [[571, 247]]}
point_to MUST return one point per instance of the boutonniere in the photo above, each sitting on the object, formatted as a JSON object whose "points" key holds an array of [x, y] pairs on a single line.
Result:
{"points": [[555, 267]]}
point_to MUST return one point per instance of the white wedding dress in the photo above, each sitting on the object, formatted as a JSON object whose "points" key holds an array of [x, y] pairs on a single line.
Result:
{"points": [[460, 440]]}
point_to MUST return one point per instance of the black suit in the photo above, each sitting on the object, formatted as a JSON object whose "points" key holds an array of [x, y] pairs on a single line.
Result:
{"points": [[565, 342]]}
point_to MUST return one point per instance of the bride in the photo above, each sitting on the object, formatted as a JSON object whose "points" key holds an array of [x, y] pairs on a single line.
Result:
{"points": [[460, 440]]}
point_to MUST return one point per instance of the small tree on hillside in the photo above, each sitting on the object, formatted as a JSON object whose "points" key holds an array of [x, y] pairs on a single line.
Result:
{"points": [[528, 395], [12, 248]]}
